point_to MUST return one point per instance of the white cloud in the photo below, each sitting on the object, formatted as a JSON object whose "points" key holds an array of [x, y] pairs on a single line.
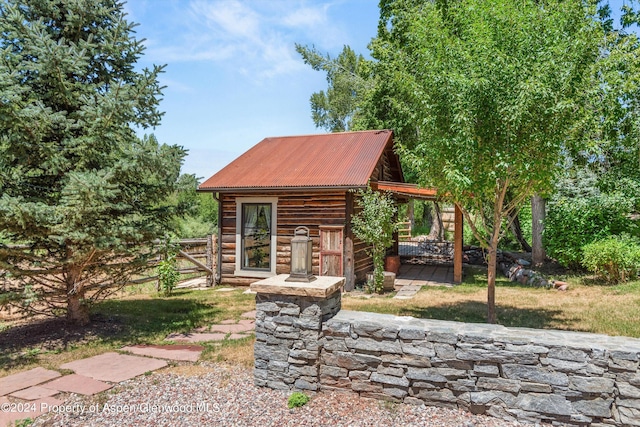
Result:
{"points": [[255, 37], [229, 18], [310, 17], [191, 52], [175, 85]]}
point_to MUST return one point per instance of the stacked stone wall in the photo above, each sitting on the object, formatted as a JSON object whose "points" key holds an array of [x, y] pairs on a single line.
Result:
{"points": [[288, 336], [563, 378]]}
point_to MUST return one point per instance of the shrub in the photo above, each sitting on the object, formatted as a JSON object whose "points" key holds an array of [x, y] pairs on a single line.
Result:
{"points": [[615, 258], [297, 399], [374, 225], [573, 222], [168, 274], [191, 227]]}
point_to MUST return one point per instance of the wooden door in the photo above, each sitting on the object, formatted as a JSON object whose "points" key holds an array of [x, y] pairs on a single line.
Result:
{"points": [[331, 253]]}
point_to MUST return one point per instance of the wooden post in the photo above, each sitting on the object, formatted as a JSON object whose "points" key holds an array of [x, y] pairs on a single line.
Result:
{"points": [[158, 285], [210, 276], [196, 262], [349, 257], [349, 265], [215, 256], [457, 245]]}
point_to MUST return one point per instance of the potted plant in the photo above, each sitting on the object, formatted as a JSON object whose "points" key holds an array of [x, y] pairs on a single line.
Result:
{"points": [[392, 263], [374, 225]]}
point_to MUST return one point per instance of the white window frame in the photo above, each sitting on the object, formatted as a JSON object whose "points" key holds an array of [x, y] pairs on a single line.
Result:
{"points": [[239, 271]]}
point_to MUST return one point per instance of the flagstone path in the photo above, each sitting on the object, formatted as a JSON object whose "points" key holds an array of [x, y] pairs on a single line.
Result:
{"points": [[225, 330], [32, 393]]}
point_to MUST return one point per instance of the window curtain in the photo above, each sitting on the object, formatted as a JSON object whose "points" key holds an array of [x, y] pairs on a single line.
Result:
{"points": [[267, 214], [250, 218]]}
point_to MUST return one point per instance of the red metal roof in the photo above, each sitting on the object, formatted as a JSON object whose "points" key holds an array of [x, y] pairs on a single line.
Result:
{"points": [[345, 159]]}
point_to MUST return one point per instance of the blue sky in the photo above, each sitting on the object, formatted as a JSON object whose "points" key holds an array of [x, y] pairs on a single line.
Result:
{"points": [[233, 76]]}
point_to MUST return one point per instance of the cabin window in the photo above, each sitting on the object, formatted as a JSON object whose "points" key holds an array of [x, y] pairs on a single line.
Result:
{"points": [[256, 236]]}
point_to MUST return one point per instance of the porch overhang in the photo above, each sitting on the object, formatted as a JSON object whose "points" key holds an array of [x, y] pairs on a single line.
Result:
{"points": [[403, 189], [412, 191]]}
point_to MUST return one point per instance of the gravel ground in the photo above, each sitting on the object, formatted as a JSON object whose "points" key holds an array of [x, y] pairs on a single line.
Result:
{"points": [[222, 395]]}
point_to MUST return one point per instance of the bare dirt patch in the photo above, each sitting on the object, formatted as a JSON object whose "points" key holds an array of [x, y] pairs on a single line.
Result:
{"points": [[24, 339]]}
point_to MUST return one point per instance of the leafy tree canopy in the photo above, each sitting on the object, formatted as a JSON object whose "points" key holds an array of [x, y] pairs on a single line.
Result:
{"points": [[482, 96], [348, 76], [599, 192], [491, 100]]}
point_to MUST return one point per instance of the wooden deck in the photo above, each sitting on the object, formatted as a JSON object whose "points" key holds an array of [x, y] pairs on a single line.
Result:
{"points": [[425, 275]]}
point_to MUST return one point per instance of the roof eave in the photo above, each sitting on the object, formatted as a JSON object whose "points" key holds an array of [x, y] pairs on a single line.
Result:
{"points": [[263, 189]]}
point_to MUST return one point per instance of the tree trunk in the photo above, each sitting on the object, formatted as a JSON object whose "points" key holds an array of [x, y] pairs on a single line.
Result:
{"points": [[537, 227], [411, 213], [516, 229], [427, 216], [436, 232], [491, 284], [493, 252], [210, 262], [77, 311]]}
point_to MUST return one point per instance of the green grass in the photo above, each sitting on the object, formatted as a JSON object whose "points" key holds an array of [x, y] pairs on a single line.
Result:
{"points": [[629, 288], [420, 230], [152, 318]]}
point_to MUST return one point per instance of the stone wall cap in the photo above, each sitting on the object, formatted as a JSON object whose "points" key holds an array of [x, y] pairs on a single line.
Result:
{"points": [[322, 287], [546, 337]]}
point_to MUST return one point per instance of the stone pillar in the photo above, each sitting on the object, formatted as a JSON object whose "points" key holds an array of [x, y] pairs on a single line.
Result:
{"points": [[289, 317]]}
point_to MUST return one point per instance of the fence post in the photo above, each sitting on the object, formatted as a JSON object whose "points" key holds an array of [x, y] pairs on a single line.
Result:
{"points": [[158, 285], [210, 255]]}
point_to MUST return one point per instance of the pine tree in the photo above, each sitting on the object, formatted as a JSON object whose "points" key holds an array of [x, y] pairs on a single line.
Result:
{"points": [[81, 195]]}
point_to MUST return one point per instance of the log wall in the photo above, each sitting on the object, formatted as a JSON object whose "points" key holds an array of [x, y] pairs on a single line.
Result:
{"points": [[307, 208], [312, 209]]}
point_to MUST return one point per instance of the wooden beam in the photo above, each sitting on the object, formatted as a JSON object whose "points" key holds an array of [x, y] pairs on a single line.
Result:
{"points": [[210, 261], [196, 262], [457, 245]]}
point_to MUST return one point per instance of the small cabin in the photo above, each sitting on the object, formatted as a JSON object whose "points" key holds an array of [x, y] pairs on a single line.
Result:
{"points": [[282, 183]]}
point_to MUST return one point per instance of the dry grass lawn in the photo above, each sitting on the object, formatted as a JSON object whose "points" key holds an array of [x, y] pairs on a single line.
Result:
{"points": [[143, 316], [611, 310]]}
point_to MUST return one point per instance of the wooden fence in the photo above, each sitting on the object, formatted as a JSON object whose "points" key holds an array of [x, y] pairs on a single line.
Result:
{"points": [[196, 258], [404, 232]]}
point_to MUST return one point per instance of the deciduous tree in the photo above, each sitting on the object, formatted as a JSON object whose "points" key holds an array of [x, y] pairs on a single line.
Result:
{"points": [[348, 79], [483, 94]]}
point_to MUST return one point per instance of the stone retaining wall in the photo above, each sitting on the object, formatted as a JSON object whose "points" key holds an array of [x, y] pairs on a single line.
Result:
{"points": [[530, 375], [564, 378]]}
